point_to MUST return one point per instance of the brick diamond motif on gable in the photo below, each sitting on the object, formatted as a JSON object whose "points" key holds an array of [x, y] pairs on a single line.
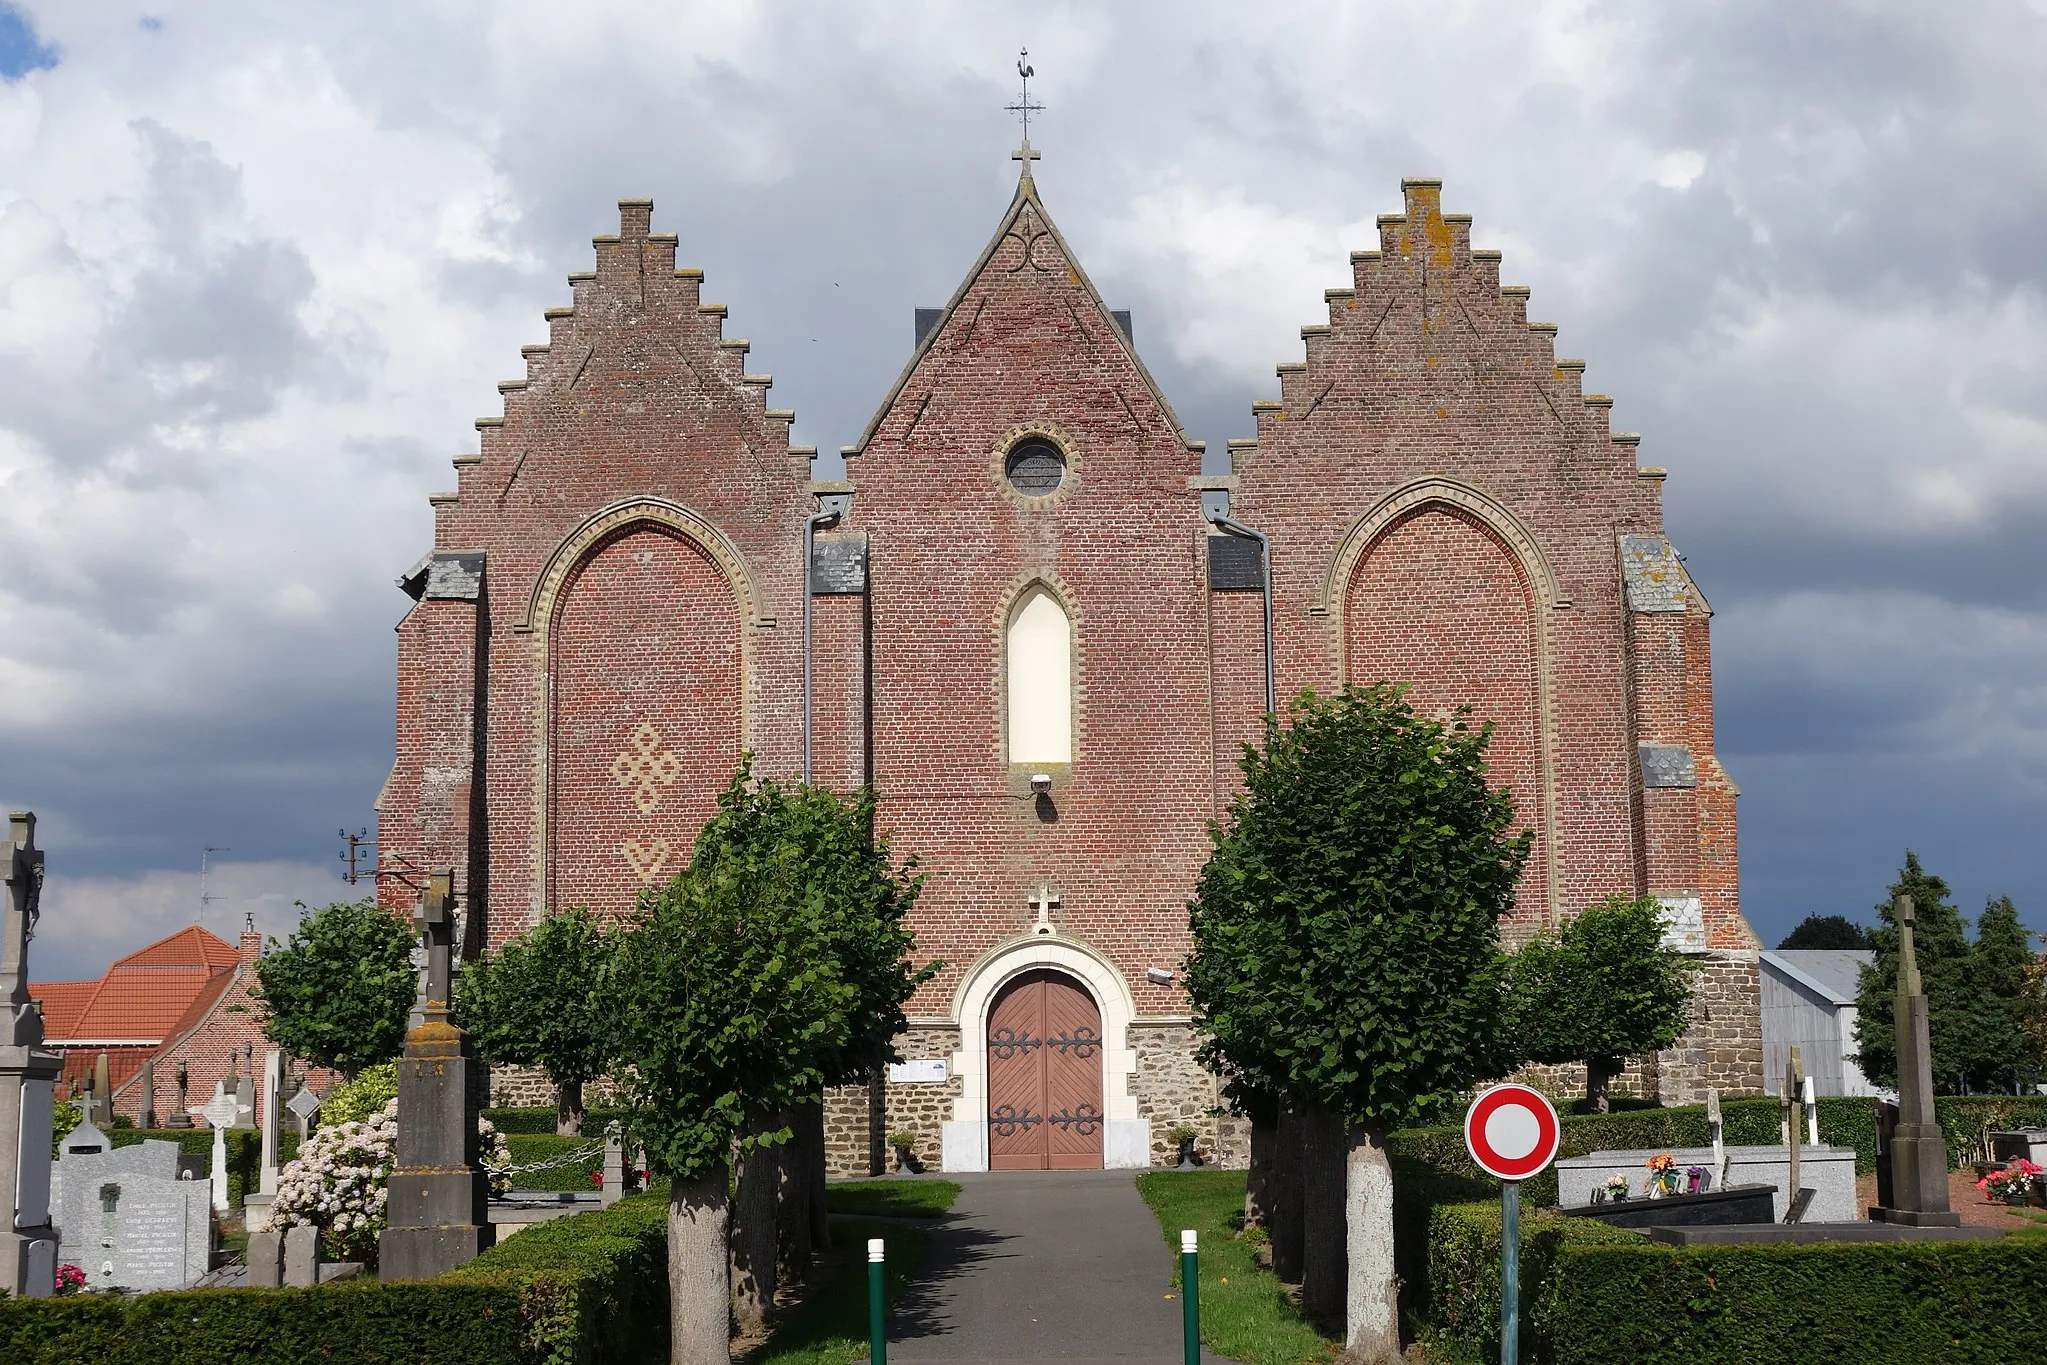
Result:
{"points": [[646, 860], [645, 767]]}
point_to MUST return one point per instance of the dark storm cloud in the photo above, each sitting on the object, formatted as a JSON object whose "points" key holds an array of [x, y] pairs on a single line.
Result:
{"points": [[262, 273]]}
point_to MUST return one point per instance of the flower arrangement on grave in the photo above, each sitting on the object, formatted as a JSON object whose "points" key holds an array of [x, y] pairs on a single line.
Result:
{"points": [[1616, 1187], [1663, 1175], [2014, 1183], [1695, 1179], [70, 1279], [341, 1180]]}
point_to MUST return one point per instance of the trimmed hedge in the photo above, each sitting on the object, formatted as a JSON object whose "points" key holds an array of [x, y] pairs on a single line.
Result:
{"points": [[244, 1151], [541, 1120], [528, 1148], [592, 1287], [1591, 1293], [1438, 1154]]}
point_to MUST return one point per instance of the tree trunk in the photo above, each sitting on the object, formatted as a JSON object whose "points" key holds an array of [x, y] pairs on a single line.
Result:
{"points": [[699, 1276], [820, 1214], [1258, 1179], [1372, 1308], [1599, 1074], [1323, 1241], [792, 1201], [1284, 1185], [568, 1109], [753, 1232]]}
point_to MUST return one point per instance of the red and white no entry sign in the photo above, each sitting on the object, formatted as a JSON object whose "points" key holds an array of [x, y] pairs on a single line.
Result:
{"points": [[1512, 1131]]}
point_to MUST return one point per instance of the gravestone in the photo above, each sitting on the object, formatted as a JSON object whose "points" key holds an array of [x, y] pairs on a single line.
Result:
{"points": [[256, 1207], [303, 1106], [180, 1116], [302, 1256], [28, 1077], [129, 1219], [439, 1196], [1828, 1171], [1918, 1148], [148, 1109], [220, 1113]]}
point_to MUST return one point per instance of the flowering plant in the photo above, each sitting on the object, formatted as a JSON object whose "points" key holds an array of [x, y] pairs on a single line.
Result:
{"points": [[2013, 1181], [1617, 1186], [342, 1177], [70, 1279], [1662, 1173]]}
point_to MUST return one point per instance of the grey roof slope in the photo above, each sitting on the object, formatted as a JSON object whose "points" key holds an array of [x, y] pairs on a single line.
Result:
{"points": [[1834, 973]]}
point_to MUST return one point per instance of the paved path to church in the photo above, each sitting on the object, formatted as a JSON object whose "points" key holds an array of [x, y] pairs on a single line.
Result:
{"points": [[1040, 1266]]}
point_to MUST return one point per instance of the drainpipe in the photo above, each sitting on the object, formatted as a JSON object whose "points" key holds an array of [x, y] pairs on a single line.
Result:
{"points": [[834, 507], [1222, 521]]}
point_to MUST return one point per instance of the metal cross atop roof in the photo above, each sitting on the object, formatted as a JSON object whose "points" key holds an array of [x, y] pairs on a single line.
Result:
{"points": [[1024, 108]]}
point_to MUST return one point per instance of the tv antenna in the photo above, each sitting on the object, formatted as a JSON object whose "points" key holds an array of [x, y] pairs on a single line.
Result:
{"points": [[205, 860]]}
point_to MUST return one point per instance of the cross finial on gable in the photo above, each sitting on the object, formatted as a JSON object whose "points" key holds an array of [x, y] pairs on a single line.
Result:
{"points": [[1024, 108], [1044, 902]]}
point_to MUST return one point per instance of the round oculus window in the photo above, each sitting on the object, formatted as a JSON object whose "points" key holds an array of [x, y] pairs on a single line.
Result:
{"points": [[1035, 467]]}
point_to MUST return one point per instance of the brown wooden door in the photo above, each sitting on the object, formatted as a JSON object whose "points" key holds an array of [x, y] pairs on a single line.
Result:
{"points": [[1044, 1076]]}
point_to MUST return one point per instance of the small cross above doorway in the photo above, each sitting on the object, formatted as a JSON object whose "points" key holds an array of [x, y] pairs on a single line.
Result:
{"points": [[1045, 900]]}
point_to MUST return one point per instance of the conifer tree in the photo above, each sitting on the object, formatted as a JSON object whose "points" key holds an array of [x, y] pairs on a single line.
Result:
{"points": [[1941, 944], [1826, 931]]}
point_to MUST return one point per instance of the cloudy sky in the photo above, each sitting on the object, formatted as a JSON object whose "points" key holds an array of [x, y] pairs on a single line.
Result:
{"points": [[262, 265]]}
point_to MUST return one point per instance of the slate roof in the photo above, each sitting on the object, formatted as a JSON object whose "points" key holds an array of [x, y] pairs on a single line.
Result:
{"points": [[1833, 973]]}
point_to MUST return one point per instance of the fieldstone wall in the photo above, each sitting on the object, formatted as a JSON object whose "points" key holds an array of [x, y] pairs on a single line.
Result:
{"points": [[1723, 1047], [852, 1127], [1173, 1089]]}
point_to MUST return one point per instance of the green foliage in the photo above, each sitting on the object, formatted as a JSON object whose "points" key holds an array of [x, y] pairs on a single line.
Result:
{"points": [[1599, 1295], [891, 1198], [1245, 1314], [541, 1119], [339, 990], [1346, 938], [732, 1003], [531, 1148], [65, 1116], [1600, 989], [353, 1101], [589, 1287], [1976, 995], [544, 998], [831, 1326], [1826, 931]]}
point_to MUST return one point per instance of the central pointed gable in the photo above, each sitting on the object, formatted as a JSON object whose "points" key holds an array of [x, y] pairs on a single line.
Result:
{"points": [[1026, 247]]}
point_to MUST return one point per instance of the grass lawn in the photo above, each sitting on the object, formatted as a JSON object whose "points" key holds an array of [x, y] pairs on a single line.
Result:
{"points": [[1244, 1312], [891, 1198], [831, 1326]]}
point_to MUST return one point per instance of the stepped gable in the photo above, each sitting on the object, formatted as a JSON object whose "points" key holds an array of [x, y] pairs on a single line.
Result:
{"points": [[1448, 507], [637, 508], [638, 393]]}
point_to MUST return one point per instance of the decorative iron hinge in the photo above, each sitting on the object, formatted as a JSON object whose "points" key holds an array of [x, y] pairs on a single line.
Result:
{"points": [[1007, 1042], [1082, 1044], [1007, 1122], [1087, 1122]]}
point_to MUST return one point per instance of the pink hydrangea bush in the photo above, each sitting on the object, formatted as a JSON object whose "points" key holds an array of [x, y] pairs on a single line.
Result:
{"points": [[341, 1181]]}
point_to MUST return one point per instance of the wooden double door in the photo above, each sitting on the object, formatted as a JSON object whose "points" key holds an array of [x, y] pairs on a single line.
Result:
{"points": [[1044, 1076]]}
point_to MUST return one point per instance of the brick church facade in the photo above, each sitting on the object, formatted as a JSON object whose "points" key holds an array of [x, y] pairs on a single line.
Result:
{"points": [[1042, 633]]}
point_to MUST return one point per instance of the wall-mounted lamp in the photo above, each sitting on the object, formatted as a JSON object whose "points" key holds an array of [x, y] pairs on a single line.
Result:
{"points": [[1158, 975], [1041, 783]]}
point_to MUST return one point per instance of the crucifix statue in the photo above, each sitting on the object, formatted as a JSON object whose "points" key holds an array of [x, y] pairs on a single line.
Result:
{"points": [[28, 1079], [436, 923], [1044, 902]]}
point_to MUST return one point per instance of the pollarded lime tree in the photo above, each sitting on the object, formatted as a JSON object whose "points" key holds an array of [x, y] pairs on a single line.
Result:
{"points": [[544, 1000], [860, 900], [1346, 947], [338, 991], [1599, 990], [731, 1005]]}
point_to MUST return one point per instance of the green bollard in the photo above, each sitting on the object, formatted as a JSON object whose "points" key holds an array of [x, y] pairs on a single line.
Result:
{"points": [[1190, 1296], [877, 1308], [1510, 1272]]}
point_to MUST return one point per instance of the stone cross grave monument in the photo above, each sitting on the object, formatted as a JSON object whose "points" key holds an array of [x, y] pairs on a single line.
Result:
{"points": [[221, 1112], [303, 1106], [28, 1079], [1918, 1149], [270, 1110], [128, 1218], [439, 1196]]}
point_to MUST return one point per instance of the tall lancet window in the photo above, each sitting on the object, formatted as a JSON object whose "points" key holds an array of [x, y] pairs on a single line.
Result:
{"points": [[1040, 650]]}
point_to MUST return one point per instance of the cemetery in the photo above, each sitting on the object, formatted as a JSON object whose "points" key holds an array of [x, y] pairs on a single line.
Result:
{"points": [[1096, 901]]}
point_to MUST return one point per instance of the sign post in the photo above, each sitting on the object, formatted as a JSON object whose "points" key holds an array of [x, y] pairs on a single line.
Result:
{"points": [[1512, 1133]]}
